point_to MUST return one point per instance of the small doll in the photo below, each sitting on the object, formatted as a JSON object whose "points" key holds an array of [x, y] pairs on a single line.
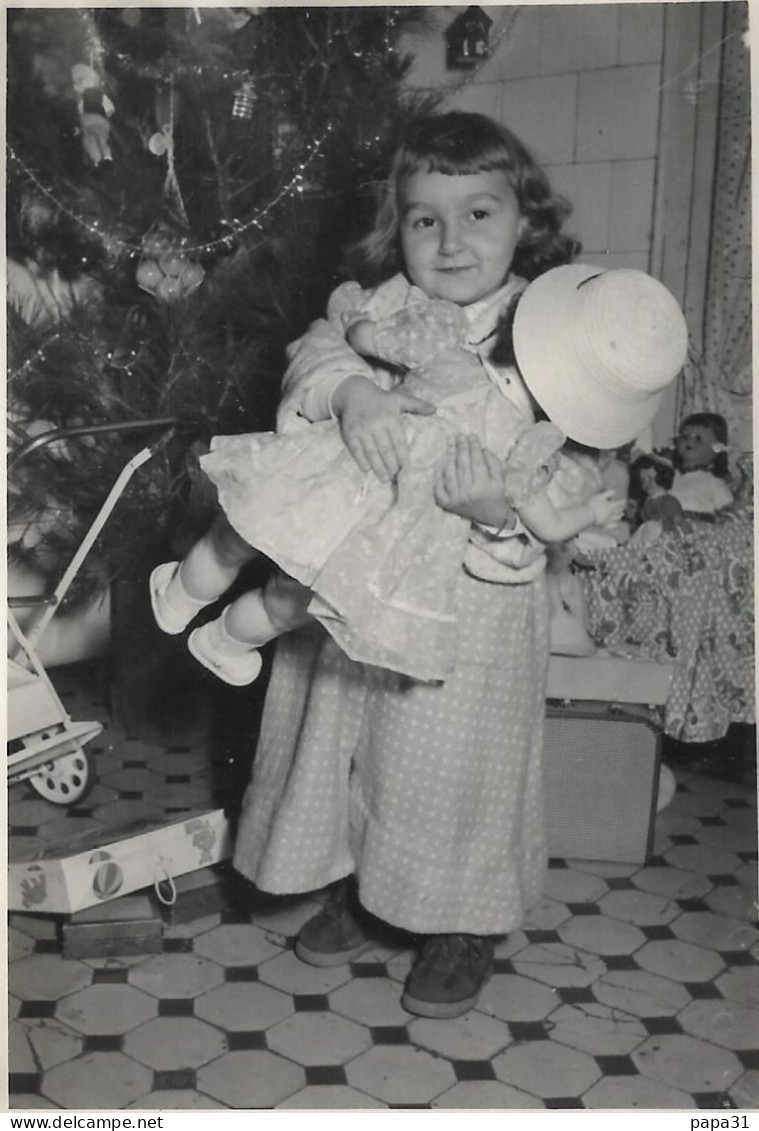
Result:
{"points": [[651, 478], [700, 462], [95, 108]]}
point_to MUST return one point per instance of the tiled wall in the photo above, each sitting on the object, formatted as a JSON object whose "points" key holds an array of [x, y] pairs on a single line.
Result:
{"points": [[580, 84]]}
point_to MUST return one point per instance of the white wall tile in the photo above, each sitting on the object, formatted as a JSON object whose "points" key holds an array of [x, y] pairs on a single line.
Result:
{"points": [[618, 113], [515, 39], [578, 37], [425, 41], [588, 188], [635, 259], [480, 97], [632, 205], [641, 33], [541, 111]]}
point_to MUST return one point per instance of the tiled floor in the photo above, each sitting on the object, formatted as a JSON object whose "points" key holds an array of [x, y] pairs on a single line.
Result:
{"points": [[629, 987]]}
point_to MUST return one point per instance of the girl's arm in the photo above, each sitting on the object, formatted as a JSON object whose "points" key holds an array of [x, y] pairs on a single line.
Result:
{"points": [[548, 524]]}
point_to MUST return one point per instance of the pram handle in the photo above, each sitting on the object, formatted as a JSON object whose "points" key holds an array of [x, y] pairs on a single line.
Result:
{"points": [[172, 423]]}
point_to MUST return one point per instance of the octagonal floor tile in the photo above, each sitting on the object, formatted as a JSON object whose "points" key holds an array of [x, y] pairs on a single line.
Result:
{"points": [[176, 975], [728, 838], [106, 1080], [546, 1069], [599, 935], [250, 1079], [21, 1057], [168, 1043], [243, 1006], [687, 1063], [121, 812], [716, 932], [674, 823], [698, 804], [31, 812], [20, 1101], [175, 1099], [546, 915], [557, 964], [35, 926], [671, 882], [722, 1022], [475, 1036], [512, 997], [286, 972], [400, 1075], [635, 1092], [53, 1043], [318, 1038], [19, 945], [596, 1029], [735, 901], [639, 908], [107, 1009], [45, 977], [680, 961], [371, 1001], [134, 779], [745, 1092], [748, 874], [740, 985], [570, 886], [329, 1097], [236, 944], [283, 917], [702, 858], [485, 1094], [641, 993], [514, 942], [193, 927]]}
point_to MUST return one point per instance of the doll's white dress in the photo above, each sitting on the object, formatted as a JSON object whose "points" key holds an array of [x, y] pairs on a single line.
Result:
{"points": [[383, 559]]}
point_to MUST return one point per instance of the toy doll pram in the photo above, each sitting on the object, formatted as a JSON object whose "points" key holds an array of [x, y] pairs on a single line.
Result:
{"points": [[45, 745]]}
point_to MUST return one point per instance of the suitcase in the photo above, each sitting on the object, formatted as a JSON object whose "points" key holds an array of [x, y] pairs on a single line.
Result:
{"points": [[601, 781]]}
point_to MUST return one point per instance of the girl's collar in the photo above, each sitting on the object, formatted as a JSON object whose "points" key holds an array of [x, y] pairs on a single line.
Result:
{"points": [[483, 316]]}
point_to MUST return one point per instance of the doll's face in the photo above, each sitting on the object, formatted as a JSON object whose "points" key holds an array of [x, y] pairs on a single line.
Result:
{"points": [[647, 479], [696, 446]]}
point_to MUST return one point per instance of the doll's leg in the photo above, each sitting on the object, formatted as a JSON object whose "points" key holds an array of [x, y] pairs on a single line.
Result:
{"points": [[179, 590], [228, 646]]}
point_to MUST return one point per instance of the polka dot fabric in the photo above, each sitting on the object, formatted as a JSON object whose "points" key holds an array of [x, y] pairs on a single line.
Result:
{"points": [[431, 794]]}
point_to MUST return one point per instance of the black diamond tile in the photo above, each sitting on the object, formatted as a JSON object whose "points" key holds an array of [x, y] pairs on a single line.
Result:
{"points": [[23, 830], [37, 1009], [409, 1107], [584, 908], [657, 933], [46, 946], [725, 880], [712, 1100], [389, 1034], [237, 1042], [177, 749], [702, 990], [241, 974], [134, 763], [176, 1007], [738, 803], [616, 1065], [109, 977], [473, 1070], [178, 779], [176, 809], [177, 946], [620, 962], [693, 905], [174, 1080], [311, 1003], [682, 838], [503, 966], [662, 1026], [131, 794], [528, 1030], [325, 1074], [748, 857], [738, 957], [542, 936], [713, 822], [749, 1058], [573, 995], [557, 862], [368, 969], [102, 1042], [619, 883], [79, 811], [24, 1083], [657, 862], [559, 1103]]}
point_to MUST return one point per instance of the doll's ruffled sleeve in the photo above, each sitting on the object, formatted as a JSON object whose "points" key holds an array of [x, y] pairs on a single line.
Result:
{"points": [[532, 462], [419, 332]]}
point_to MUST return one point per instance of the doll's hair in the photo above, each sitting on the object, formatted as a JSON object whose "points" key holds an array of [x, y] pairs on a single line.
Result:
{"points": [[718, 425], [664, 474], [462, 143]]}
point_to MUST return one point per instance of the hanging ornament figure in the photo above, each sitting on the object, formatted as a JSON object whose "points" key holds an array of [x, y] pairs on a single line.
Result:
{"points": [[95, 108], [245, 97]]}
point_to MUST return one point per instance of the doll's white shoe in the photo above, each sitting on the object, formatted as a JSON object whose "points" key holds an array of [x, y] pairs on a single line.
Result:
{"points": [[168, 618], [238, 669]]}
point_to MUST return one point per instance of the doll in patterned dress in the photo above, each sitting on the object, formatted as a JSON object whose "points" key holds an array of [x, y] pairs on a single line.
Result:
{"points": [[376, 563]]}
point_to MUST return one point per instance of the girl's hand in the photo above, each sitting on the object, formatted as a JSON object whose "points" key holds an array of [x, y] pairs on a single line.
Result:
{"points": [[371, 425], [470, 484], [607, 508]]}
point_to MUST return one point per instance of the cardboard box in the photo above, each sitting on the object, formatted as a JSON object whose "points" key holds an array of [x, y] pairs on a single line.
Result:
{"points": [[101, 865], [131, 924]]}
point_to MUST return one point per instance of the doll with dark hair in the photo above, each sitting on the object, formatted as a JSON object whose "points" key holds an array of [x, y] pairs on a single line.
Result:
{"points": [[651, 478], [701, 476]]}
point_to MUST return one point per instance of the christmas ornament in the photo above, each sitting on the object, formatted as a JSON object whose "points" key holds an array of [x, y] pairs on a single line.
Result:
{"points": [[245, 99], [95, 108], [468, 38], [165, 269]]}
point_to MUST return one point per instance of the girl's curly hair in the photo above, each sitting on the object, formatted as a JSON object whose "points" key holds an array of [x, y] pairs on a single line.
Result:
{"points": [[462, 143]]}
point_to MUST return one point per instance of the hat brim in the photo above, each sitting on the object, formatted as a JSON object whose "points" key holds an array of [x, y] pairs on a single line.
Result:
{"points": [[554, 374]]}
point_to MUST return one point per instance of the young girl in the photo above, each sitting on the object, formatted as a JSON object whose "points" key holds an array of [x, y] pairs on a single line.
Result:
{"points": [[380, 559], [429, 795]]}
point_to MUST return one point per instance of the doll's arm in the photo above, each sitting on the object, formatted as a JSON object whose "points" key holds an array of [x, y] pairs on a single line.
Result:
{"points": [[411, 336], [551, 525]]}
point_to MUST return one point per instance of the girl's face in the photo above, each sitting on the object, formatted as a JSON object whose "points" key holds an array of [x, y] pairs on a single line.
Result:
{"points": [[695, 446], [458, 233]]}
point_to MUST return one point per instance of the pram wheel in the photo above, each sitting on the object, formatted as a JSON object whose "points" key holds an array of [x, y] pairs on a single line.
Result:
{"points": [[66, 780]]}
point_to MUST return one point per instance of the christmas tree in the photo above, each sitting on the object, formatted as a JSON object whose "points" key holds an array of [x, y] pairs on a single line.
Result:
{"points": [[182, 184]]}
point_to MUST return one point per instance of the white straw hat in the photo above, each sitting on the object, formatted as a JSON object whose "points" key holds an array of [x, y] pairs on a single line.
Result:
{"points": [[597, 348]]}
